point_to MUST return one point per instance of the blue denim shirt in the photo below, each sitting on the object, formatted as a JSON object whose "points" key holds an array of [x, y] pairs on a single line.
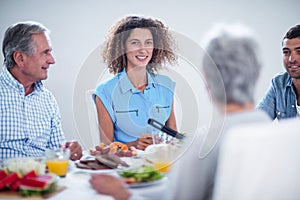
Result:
{"points": [[280, 100]]}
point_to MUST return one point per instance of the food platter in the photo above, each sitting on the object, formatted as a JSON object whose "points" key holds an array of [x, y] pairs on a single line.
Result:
{"points": [[82, 170], [26, 177], [131, 161]]}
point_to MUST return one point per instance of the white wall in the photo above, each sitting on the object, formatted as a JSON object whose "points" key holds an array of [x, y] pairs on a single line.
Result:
{"points": [[78, 28]]}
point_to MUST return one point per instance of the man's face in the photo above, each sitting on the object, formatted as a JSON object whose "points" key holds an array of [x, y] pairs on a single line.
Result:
{"points": [[291, 57], [36, 67]]}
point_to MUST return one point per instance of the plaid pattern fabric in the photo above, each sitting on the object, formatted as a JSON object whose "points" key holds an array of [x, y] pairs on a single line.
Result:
{"points": [[28, 124]]}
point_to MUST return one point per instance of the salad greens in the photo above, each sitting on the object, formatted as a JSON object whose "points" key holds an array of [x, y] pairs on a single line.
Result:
{"points": [[144, 173]]}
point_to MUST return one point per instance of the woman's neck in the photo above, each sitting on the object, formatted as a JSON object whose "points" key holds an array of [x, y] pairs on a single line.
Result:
{"points": [[138, 77]]}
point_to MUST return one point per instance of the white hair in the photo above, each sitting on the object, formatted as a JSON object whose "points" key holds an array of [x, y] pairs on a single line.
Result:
{"points": [[232, 56]]}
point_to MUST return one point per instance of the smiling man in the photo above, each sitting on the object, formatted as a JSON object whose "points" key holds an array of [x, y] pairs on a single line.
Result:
{"points": [[282, 100], [30, 120]]}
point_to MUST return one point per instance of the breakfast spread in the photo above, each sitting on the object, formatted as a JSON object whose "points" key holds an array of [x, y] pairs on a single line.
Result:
{"points": [[105, 161], [116, 148], [106, 156]]}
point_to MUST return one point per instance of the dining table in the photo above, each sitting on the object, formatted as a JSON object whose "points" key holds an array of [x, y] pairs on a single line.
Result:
{"points": [[75, 185]]}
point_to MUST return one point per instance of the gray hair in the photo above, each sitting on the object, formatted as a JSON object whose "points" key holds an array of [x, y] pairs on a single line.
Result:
{"points": [[18, 37], [232, 65]]}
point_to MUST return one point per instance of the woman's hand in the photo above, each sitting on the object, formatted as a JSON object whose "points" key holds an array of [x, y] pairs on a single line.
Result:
{"points": [[142, 142], [109, 185]]}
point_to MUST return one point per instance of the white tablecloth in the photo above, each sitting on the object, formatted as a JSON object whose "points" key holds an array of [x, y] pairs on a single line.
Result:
{"points": [[77, 186]]}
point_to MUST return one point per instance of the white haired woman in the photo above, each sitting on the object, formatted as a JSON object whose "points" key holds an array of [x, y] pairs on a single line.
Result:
{"points": [[231, 68]]}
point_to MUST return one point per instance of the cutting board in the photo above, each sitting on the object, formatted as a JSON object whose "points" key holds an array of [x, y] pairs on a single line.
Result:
{"points": [[7, 194]]}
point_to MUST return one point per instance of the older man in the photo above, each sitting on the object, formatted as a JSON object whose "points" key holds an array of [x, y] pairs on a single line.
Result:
{"points": [[30, 121]]}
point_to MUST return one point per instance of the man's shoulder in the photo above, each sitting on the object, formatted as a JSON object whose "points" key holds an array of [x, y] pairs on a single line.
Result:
{"points": [[282, 78]]}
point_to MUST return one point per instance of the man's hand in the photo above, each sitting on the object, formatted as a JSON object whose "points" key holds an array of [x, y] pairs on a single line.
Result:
{"points": [[75, 149]]}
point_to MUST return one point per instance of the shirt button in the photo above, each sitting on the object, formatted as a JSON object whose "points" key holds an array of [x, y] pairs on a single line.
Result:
{"points": [[293, 106]]}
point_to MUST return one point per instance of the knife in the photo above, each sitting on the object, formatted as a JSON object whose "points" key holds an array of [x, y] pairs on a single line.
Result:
{"points": [[165, 129]]}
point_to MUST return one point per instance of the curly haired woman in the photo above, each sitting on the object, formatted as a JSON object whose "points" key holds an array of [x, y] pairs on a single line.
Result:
{"points": [[135, 49]]}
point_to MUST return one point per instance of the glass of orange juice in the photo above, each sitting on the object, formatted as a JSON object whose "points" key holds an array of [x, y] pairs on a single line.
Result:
{"points": [[162, 166], [162, 156], [58, 161]]}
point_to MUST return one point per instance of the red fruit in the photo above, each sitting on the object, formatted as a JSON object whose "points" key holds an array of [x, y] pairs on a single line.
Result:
{"points": [[32, 173], [3, 174], [32, 182], [38, 182], [39, 185], [15, 185], [9, 179], [129, 180]]}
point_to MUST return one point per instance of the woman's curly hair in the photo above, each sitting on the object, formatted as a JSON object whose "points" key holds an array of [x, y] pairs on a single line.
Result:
{"points": [[114, 52]]}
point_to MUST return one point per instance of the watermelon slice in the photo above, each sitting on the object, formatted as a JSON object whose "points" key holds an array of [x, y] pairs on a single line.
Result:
{"points": [[39, 185], [15, 185], [3, 173], [9, 179]]}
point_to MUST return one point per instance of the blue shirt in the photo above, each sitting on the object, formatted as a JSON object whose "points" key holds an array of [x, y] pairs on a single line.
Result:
{"points": [[130, 108], [280, 100], [28, 124]]}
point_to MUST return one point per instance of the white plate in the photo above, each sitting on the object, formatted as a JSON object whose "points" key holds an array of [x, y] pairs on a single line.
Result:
{"points": [[80, 170], [90, 171], [140, 152], [146, 184]]}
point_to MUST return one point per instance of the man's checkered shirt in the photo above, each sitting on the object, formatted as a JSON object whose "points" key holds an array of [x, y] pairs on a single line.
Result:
{"points": [[28, 124]]}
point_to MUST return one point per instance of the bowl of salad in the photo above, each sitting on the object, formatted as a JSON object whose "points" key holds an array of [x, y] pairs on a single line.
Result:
{"points": [[141, 176]]}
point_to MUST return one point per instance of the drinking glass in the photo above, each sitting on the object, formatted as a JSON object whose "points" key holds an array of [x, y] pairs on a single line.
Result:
{"points": [[57, 161], [160, 137]]}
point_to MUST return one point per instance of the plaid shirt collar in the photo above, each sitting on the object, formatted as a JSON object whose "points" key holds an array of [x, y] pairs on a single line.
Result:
{"points": [[12, 82]]}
